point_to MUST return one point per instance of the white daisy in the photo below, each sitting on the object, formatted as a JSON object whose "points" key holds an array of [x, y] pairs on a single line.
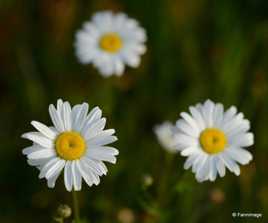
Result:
{"points": [[165, 135], [76, 144], [213, 139], [109, 41]]}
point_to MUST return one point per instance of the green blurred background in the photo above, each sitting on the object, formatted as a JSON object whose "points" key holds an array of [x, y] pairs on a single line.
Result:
{"points": [[197, 49]]}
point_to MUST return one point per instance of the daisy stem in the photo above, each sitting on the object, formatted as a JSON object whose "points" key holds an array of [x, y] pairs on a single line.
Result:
{"points": [[162, 192], [76, 207]]}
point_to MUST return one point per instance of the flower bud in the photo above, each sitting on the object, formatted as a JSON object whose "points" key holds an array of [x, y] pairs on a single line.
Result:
{"points": [[64, 211]]}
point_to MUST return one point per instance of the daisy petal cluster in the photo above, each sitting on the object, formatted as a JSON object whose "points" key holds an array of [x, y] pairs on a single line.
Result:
{"points": [[75, 145], [110, 41], [213, 139], [165, 134]]}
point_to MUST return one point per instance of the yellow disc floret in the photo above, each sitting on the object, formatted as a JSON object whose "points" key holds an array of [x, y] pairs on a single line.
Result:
{"points": [[70, 145], [213, 140], [111, 42]]}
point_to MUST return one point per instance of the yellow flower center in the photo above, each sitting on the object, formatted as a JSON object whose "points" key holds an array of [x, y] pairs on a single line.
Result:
{"points": [[111, 42], [213, 140], [70, 145]]}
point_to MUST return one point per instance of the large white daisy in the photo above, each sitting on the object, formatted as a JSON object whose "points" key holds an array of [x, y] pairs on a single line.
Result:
{"points": [[109, 41], [213, 139], [75, 144], [165, 134]]}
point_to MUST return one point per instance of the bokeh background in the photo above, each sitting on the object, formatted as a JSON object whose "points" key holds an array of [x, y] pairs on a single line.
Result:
{"points": [[197, 49]]}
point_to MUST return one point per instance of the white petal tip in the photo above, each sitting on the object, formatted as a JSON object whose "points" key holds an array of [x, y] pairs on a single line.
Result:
{"points": [[24, 136], [51, 186], [116, 152], [113, 161], [68, 189], [33, 122]]}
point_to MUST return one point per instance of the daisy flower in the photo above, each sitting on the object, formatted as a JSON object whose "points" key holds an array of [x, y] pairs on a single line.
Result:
{"points": [[76, 145], [110, 41], [165, 135], [213, 139]]}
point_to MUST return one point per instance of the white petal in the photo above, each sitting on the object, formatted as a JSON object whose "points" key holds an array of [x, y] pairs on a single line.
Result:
{"points": [[100, 140], [187, 129], [188, 151], [47, 166], [94, 129], [46, 131], [103, 20], [93, 116], [189, 120], [105, 67], [213, 169], [218, 115], [68, 176], [220, 167], [38, 162], [131, 59], [39, 139], [74, 113], [182, 141], [42, 154], [119, 67], [242, 140], [104, 133], [56, 118], [243, 127], [102, 167], [32, 149], [203, 171], [88, 170], [199, 161], [95, 165], [53, 170], [104, 154], [233, 123], [66, 116], [198, 117], [189, 161], [230, 164], [76, 176], [208, 110], [80, 117], [240, 155], [52, 181], [229, 114], [59, 105], [84, 173]]}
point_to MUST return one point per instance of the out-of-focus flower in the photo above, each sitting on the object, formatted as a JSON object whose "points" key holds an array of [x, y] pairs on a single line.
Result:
{"points": [[64, 211], [213, 139], [148, 180], [110, 41], [126, 215], [217, 196], [76, 143], [165, 135]]}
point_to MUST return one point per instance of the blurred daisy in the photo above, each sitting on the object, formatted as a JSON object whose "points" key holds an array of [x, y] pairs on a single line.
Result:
{"points": [[109, 41], [165, 135], [75, 145], [213, 139]]}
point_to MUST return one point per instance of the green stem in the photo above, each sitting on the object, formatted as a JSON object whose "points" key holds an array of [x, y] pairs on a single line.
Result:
{"points": [[76, 207], [164, 181]]}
